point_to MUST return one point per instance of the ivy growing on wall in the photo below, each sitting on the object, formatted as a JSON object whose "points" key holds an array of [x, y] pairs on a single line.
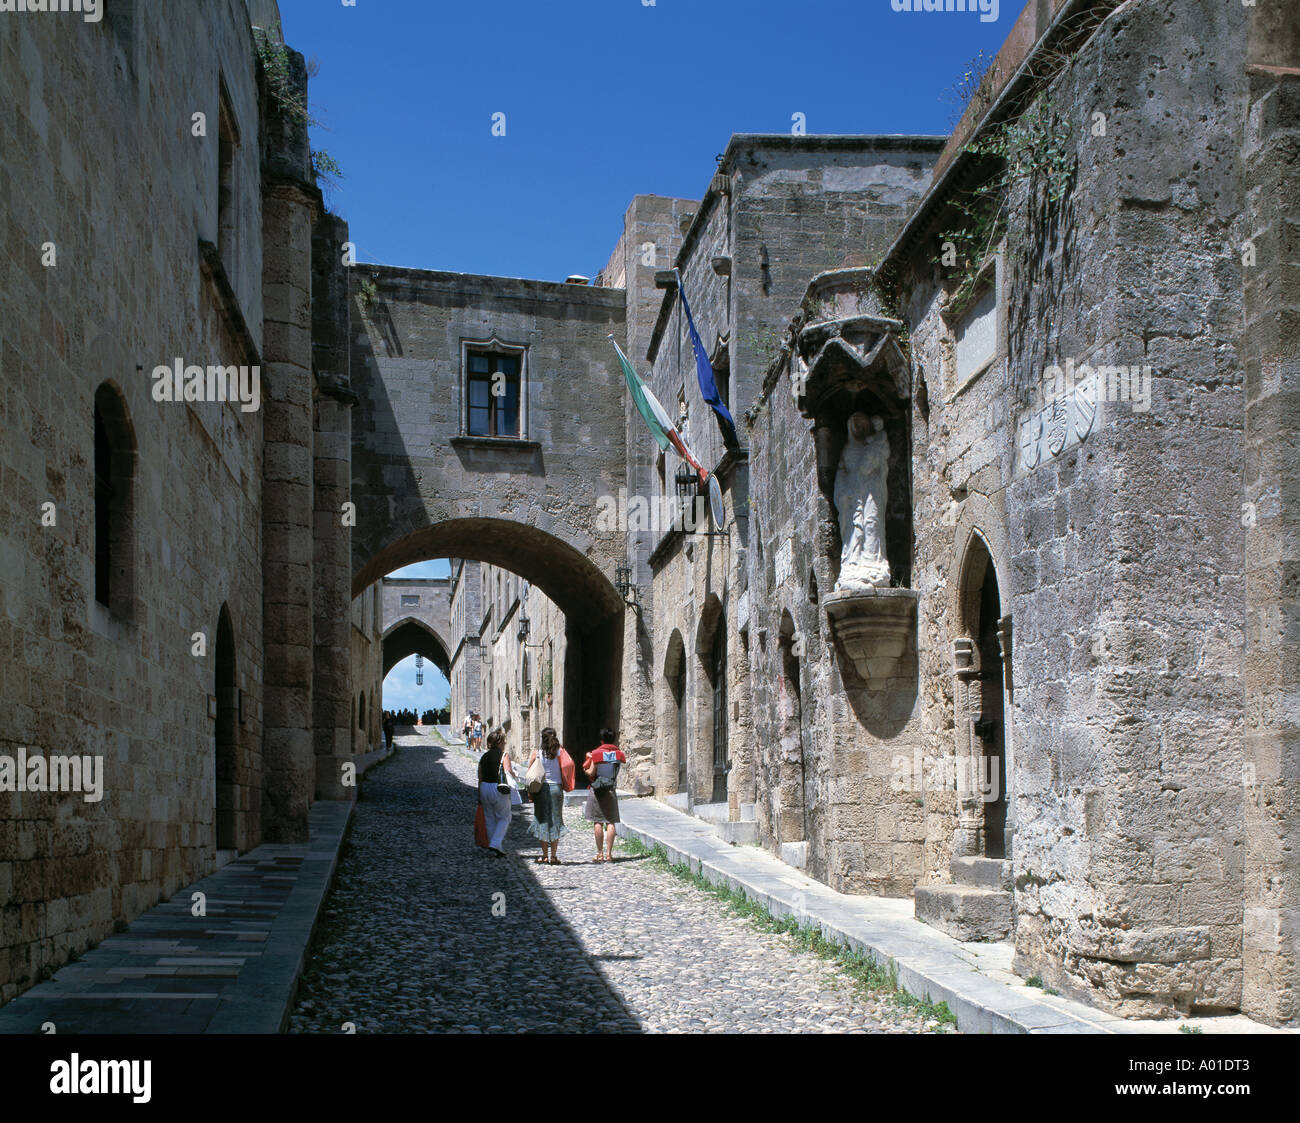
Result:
{"points": [[1035, 152]]}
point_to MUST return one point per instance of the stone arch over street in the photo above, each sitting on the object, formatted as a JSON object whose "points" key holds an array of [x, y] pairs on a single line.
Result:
{"points": [[592, 607], [412, 636], [428, 481]]}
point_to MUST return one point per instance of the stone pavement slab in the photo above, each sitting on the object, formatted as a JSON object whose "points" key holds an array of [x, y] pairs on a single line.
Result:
{"points": [[974, 979], [233, 970]]}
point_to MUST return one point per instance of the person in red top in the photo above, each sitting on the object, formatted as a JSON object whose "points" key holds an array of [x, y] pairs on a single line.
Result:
{"points": [[601, 766]]}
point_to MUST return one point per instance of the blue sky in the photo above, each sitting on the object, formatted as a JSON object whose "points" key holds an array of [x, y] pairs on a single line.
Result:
{"points": [[604, 99]]}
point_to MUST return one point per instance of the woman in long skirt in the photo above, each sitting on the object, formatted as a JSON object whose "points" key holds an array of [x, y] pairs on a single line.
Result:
{"points": [[492, 766], [548, 802]]}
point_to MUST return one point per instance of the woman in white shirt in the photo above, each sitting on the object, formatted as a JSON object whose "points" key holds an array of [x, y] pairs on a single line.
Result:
{"points": [[548, 801]]}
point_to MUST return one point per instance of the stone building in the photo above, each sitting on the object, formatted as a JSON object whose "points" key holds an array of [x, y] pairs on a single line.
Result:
{"points": [[1064, 723], [174, 564], [509, 656], [368, 657]]}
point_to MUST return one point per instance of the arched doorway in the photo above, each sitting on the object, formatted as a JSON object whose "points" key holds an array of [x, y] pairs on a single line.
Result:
{"points": [[675, 722], [983, 680], [228, 789], [791, 823], [713, 732], [410, 636]]}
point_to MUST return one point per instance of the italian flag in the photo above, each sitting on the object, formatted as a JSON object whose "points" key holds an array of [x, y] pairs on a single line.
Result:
{"points": [[656, 418]]}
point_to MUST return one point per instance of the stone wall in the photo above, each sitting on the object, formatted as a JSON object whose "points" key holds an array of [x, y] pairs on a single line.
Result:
{"points": [[127, 290], [465, 675], [782, 209], [1115, 537], [1270, 514], [653, 228], [827, 776]]}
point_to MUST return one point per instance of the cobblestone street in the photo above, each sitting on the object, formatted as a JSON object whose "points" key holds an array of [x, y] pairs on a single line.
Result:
{"points": [[409, 942]]}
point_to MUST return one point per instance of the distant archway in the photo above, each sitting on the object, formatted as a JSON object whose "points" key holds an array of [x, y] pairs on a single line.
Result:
{"points": [[411, 636], [593, 652]]}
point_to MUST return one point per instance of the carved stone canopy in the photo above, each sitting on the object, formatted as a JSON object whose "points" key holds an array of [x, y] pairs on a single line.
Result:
{"points": [[844, 344]]}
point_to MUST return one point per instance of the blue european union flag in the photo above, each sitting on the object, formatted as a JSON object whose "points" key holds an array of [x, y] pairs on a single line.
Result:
{"points": [[704, 371]]}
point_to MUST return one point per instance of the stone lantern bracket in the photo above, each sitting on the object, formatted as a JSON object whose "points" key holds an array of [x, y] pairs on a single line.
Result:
{"points": [[875, 630]]}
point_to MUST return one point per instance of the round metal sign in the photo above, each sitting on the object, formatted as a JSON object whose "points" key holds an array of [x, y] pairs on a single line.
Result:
{"points": [[715, 502]]}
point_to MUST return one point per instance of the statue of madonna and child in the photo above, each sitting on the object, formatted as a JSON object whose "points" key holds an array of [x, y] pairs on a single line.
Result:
{"points": [[861, 494]]}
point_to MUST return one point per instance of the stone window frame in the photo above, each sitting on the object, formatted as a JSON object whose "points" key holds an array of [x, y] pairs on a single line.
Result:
{"points": [[990, 274], [499, 346], [114, 478]]}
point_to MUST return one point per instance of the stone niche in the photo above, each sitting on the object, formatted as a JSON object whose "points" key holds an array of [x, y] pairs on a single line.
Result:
{"points": [[846, 358]]}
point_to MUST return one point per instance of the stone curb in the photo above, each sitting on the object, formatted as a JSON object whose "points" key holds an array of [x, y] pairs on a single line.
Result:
{"points": [[263, 995], [985, 996]]}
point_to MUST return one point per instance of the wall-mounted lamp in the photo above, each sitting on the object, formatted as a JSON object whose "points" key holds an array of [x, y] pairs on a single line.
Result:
{"points": [[626, 590], [522, 634], [688, 491]]}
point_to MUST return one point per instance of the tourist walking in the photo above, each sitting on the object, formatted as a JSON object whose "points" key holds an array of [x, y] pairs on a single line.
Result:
{"points": [[388, 729], [601, 808], [476, 733], [548, 800], [494, 790], [465, 727]]}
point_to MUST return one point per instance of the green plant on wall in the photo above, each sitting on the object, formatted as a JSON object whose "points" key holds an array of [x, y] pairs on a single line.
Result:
{"points": [[274, 56], [976, 85], [326, 167], [1035, 151], [546, 679]]}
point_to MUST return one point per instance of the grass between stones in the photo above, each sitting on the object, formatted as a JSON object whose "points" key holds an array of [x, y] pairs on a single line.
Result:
{"points": [[864, 973]]}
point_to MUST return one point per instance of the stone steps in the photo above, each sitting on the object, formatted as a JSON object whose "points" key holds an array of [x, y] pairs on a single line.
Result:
{"points": [[978, 905], [982, 873], [965, 912], [741, 832]]}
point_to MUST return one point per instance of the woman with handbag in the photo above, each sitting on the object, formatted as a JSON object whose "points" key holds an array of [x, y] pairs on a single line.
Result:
{"points": [[601, 808], [550, 775], [494, 775]]}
